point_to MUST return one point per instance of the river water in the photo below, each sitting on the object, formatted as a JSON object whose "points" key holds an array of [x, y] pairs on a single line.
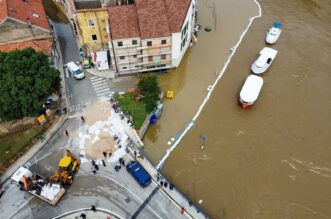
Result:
{"points": [[270, 161]]}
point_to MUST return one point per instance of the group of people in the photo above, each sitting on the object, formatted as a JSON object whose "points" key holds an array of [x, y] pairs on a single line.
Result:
{"points": [[118, 166], [117, 109]]}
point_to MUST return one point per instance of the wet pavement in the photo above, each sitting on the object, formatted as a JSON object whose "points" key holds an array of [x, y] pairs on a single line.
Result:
{"points": [[273, 160]]}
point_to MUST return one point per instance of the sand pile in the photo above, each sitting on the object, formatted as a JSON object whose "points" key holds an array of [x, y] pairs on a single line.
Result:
{"points": [[103, 131]]}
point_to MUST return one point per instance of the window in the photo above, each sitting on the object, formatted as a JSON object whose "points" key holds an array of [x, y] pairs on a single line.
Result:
{"points": [[163, 56], [149, 43], [184, 30], [150, 58], [119, 44], [90, 22], [94, 37], [134, 42], [164, 42], [124, 68], [122, 57], [137, 66], [134, 56]]}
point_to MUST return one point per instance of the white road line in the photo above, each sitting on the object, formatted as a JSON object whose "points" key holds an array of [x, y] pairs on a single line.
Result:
{"points": [[103, 94], [99, 84], [97, 79], [101, 88]]}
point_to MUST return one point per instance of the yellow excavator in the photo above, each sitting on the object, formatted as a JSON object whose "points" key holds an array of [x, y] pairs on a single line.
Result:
{"points": [[68, 167]]}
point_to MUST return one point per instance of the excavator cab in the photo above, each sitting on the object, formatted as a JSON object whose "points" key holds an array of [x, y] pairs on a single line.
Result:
{"points": [[68, 167]]}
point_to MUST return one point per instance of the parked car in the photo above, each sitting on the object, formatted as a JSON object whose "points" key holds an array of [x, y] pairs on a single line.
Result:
{"points": [[139, 173], [75, 71]]}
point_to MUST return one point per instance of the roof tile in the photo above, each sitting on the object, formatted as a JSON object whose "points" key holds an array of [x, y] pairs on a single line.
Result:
{"points": [[124, 22], [176, 11], [152, 17], [44, 45], [24, 10]]}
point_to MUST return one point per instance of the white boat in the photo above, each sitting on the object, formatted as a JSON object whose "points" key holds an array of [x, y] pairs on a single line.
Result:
{"points": [[250, 90], [273, 33], [264, 59]]}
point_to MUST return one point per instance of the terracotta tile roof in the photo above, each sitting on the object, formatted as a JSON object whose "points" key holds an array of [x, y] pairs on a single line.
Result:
{"points": [[3, 9], [152, 17], [44, 45], [123, 21], [24, 10], [176, 11]]}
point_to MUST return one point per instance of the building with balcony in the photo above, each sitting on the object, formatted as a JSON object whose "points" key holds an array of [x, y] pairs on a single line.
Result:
{"points": [[147, 35]]}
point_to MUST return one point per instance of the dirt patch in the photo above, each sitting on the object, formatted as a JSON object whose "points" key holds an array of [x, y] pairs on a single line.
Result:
{"points": [[97, 111], [105, 143], [12, 126], [101, 142]]}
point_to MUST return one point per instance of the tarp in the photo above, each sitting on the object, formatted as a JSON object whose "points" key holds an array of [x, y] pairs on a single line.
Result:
{"points": [[100, 60]]}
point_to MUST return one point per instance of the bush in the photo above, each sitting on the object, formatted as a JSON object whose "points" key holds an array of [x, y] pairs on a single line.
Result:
{"points": [[149, 86]]}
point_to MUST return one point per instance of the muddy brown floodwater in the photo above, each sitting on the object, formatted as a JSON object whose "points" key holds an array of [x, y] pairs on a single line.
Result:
{"points": [[273, 160]]}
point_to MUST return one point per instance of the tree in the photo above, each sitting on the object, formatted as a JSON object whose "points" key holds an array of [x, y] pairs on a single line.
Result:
{"points": [[26, 80], [150, 87]]}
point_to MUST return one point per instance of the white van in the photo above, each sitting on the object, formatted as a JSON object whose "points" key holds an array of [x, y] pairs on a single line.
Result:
{"points": [[75, 71]]}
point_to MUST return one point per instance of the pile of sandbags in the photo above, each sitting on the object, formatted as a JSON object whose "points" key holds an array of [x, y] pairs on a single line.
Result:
{"points": [[49, 191]]}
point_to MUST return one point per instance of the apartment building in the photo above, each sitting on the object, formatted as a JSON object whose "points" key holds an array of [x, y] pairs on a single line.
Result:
{"points": [[144, 36]]}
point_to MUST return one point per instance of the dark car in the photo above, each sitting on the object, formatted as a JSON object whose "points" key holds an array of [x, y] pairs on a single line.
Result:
{"points": [[139, 173]]}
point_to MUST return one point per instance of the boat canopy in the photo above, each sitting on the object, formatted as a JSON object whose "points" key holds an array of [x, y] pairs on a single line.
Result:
{"points": [[251, 89], [278, 25]]}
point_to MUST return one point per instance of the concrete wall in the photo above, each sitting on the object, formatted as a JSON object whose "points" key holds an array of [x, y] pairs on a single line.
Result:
{"points": [[177, 51], [16, 31], [86, 31]]}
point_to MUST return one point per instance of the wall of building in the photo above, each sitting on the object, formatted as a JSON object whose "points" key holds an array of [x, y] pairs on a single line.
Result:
{"points": [[178, 50], [126, 54], [12, 31], [157, 54], [92, 30]]}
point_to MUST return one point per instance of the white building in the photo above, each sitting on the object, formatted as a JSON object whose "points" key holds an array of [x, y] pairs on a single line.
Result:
{"points": [[150, 34]]}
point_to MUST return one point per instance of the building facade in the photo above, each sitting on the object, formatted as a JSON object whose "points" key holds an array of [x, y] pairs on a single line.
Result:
{"points": [[143, 36]]}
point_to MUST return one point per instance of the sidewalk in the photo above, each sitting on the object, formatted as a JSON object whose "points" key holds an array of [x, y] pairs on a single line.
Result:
{"points": [[192, 211], [104, 74]]}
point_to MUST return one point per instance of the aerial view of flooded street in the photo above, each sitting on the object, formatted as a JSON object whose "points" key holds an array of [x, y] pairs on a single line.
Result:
{"points": [[269, 161]]}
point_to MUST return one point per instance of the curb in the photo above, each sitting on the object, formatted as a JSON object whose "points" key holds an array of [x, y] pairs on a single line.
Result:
{"points": [[87, 209]]}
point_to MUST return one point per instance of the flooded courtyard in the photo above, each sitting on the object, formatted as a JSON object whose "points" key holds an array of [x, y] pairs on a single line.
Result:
{"points": [[270, 161]]}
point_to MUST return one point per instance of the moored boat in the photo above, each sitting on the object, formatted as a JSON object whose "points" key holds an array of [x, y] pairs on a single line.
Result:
{"points": [[273, 33], [263, 61], [250, 90]]}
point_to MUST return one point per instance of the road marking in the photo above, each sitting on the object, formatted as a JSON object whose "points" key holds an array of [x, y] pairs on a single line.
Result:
{"points": [[102, 89], [99, 85], [97, 79], [103, 94]]}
